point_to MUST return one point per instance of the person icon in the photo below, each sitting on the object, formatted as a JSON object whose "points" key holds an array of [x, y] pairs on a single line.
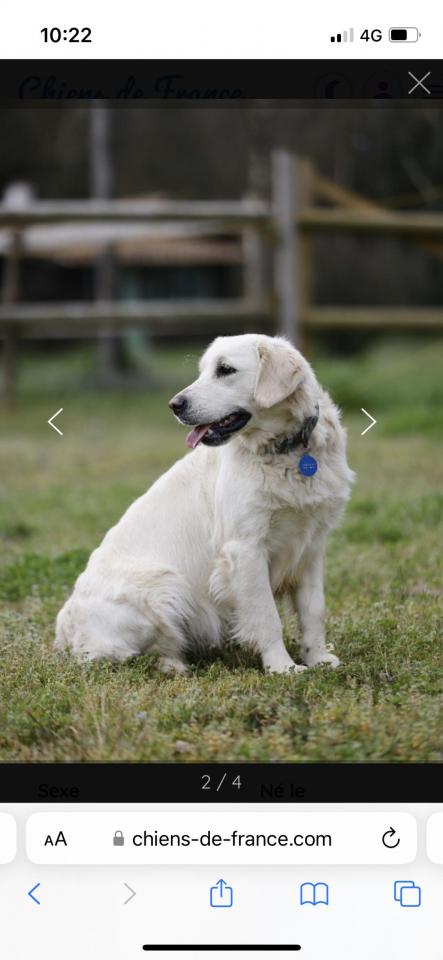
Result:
{"points": [[383, 85], [383, 88]]}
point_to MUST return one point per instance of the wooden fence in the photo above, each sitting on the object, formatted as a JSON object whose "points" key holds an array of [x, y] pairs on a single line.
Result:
{"points": [[279, 231]]}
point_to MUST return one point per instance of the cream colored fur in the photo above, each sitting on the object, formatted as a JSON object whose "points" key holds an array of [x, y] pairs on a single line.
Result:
{"points": [[202, 555]]}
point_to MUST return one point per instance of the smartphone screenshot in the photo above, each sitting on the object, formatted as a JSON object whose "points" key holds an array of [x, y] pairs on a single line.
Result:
{"points": [[221, 482]]}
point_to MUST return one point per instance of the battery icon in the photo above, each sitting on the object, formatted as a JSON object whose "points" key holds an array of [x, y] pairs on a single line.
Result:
{"points": [[406, 35]]}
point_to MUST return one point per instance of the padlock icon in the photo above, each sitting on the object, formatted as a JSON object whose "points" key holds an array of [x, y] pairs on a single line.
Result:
{"points": [[119, 840]]}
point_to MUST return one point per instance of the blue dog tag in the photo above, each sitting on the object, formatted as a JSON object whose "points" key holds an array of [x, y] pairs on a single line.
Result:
{"points": [[307, 465]]}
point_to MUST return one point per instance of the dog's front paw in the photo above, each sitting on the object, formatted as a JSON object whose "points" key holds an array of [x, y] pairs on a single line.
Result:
{"points": [[315, 659], [172, 665], [288, 668], [276, 659]]}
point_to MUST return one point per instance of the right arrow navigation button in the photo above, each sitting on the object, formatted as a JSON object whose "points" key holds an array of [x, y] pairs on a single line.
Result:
{"points": [[372, 419]]}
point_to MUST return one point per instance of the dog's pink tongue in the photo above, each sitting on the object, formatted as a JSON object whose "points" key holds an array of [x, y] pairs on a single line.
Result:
{"points": [[194, 437]]}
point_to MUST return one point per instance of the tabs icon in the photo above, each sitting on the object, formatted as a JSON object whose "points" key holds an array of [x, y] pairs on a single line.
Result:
{"points": [[407, 893]]}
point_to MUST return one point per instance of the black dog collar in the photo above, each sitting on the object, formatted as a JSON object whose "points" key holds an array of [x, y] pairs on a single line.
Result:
{"points": [[287, 444]]}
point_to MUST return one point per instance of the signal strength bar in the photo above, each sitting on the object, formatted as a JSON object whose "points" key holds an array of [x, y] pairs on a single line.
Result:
{"points": [[346, 36]]}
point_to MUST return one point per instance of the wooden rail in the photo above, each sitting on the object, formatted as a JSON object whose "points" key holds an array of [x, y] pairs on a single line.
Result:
{"points": [[160, 316], [386, 222], [276, 243], [373, 318], [169, 317], [222, 213]]}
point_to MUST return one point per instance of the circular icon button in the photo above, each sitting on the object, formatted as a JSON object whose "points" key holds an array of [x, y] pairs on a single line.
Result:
{"points": [[388, 839], [383, 86], [333, 86]]}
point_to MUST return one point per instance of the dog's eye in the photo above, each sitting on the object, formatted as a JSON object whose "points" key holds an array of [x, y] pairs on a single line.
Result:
{"points": [[224, 370]]}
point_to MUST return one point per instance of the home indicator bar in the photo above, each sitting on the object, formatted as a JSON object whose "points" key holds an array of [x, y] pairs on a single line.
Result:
{"points": [[223, 947]]}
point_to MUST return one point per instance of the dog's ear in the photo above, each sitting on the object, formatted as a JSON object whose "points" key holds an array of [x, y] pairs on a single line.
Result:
{"points": [[279, 373]]}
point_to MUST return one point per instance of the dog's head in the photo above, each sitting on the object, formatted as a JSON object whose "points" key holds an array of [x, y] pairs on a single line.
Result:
{"points": [[246, 382]]}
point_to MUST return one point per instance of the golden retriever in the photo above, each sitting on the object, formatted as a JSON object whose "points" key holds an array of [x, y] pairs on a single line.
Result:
{"points": [[202, 555]]}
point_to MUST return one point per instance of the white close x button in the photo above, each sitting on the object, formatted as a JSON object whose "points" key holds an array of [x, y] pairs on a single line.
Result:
{"points": [[419, 83]]}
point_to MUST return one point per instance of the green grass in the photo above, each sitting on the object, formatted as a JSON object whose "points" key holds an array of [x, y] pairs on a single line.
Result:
{"points": [[384, 590]]}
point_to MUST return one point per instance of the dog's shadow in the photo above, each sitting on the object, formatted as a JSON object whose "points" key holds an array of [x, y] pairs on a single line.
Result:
{"points": [[230, 657]]}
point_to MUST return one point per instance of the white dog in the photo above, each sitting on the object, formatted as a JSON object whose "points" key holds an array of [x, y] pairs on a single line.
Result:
{"points": [[203, 554]]}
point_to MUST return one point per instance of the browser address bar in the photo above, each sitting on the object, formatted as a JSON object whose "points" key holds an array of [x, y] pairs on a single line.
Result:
{"points": [[222, 838]]}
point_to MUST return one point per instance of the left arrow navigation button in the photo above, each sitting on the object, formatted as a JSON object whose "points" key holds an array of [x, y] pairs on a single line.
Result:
{"points": [[31, 893], [51, 424]]}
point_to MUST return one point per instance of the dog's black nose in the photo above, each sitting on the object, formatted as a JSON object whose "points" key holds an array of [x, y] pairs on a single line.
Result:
{"points": [[178, 404]]}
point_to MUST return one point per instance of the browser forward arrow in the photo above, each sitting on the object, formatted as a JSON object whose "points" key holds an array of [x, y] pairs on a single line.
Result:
{"points": [[133, 892]]}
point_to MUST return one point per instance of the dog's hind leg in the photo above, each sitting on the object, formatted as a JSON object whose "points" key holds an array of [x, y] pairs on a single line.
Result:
{"points": [[149, 618]]}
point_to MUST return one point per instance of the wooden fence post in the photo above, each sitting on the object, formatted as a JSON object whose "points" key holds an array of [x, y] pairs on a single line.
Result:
{"points": [[104, 270], [254, 266], [291, 181], [10, 295]]}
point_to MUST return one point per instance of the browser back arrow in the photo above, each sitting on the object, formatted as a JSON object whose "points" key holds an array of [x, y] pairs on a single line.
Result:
{"points": [[31, 894]]}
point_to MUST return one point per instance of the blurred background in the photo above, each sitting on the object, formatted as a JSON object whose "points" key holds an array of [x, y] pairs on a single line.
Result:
{"points": [[129, 238], [140, 228]]}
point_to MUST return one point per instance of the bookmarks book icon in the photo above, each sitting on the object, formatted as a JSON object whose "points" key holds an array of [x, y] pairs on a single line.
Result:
{"points": [[314, 893]]}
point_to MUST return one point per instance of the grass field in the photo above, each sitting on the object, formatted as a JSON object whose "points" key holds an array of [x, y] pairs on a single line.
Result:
{"points": [[384, 590]]}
